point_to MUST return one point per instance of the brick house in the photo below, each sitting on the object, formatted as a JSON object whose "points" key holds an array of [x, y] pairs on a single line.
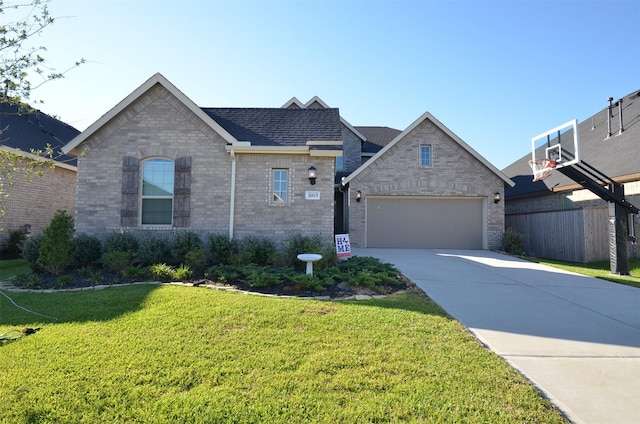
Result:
{"points": [[32, 202], [426, 188], [558, 218], [158, 162]]}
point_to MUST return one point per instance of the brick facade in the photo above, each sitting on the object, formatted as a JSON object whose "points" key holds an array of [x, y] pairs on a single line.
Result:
{"points": [[157, 124], [35, 202], [454, 172]]}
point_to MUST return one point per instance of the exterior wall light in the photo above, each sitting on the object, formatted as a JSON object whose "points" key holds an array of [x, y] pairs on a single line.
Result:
{"points": [[358, 196], [312, 175], [497, 197]]}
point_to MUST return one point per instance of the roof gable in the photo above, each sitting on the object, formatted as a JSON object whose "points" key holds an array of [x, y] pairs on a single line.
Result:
{"points": [[454, 137], [156, 79]]}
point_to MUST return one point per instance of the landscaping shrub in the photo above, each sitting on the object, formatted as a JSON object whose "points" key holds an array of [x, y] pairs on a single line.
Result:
{"points": [[221, 249], [256, 250], [258, 277], [31, 251], [87, 250], [14, 244], [185, 242], [307, 282], [57, 248], [163, 272], [183, 273], [223, 273], [135, 273], [196, 260], [297, 244], [155, 249], [513, 242], [117, 261], [121, 241]]}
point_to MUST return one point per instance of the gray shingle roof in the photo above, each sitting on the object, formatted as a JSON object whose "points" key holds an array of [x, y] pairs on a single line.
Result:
{"points": [[34, 130], [377, 137], [277, 126], [615, 156]]}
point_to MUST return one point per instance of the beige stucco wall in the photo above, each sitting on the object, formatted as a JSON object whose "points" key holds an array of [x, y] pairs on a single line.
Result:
{"points": [[454, 172], [36, 202], [157, 124]]}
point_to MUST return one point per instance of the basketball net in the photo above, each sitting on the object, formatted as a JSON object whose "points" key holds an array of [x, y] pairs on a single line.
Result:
{"points": [[541, 168]]}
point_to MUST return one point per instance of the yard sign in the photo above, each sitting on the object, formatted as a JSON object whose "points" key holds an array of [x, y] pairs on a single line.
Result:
{"points": [[343, 247]]}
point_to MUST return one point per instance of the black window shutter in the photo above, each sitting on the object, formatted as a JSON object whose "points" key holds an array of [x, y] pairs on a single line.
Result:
{"points": [[182, 192], [130, 188]]}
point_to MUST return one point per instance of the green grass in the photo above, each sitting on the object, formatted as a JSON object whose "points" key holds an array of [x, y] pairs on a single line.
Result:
{"points": [[600, 269], [169, 354], [12, 268]]}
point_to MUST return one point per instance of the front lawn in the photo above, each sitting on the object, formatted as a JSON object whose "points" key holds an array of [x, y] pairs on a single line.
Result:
{"points": [[600, 269], [149, 353]]}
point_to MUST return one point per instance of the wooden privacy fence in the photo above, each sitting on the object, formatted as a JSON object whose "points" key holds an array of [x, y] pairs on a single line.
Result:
{"points": [[576, 235]]}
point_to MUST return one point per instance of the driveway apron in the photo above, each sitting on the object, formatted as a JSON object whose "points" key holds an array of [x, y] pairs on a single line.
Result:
{"points": [[576, 338]]}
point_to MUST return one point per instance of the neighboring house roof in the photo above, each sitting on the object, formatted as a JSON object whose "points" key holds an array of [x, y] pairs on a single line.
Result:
{"points": [[617, 156], [32, 129], [377, 138], [442, 127], [277, 126]]}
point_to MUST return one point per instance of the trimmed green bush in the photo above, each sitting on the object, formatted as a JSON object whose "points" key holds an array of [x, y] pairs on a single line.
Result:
{"points": [[256, 250], [513, 242], [57, 248], [87, 250], [14, 244], [185, 242], [221, 249], [31, 251], [121, 241], [155, 249], [117, 261]]}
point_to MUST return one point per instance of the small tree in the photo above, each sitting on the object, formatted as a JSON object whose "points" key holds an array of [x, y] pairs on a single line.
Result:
{"points": [[56, 250]]}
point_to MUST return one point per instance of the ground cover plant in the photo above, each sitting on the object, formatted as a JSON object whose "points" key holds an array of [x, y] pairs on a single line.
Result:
{"points": [[599, 269], [59, 260], [150, 353]]}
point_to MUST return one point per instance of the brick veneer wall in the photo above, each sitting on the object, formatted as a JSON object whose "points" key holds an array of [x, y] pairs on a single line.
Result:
{"points": [[351, 150], [36, 202], [454, 172], [157, 124]]}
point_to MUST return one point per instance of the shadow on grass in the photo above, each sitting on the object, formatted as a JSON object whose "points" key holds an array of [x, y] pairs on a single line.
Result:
{"points": [[63, 307]]}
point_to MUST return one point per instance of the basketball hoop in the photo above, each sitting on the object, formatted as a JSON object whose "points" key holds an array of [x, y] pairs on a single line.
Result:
{"points": [[541, 168]]}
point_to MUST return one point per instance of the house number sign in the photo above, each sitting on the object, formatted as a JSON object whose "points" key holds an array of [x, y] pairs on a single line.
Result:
{"points": [[312, 195]]}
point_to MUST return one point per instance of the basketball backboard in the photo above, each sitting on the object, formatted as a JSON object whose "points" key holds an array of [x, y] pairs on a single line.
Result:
{"points": [[560, 144]]}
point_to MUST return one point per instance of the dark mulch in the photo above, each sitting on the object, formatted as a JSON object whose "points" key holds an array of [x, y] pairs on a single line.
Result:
{"points": [[100, 276]]}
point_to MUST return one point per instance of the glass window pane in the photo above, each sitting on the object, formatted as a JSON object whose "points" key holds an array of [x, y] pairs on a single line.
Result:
{"points": [[157, 211], [157, 178], [425, 155], [280, 177]]}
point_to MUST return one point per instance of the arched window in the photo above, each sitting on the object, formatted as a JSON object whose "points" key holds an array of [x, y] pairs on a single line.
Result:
{"points": [[158, 176]]}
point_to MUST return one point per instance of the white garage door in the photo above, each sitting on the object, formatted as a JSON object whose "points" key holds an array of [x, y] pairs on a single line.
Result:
{"points": [[425, 222]]}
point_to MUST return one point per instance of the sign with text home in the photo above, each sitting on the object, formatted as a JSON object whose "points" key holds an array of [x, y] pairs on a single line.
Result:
{"points": [[343, 247]]}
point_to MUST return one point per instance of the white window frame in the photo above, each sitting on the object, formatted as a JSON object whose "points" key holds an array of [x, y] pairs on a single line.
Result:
{"points": [[276, 181], [430, 156], [144, 196]]}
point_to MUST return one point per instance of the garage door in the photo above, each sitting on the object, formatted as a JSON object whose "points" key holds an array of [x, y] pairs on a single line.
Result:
{"points": [[425, 222]]}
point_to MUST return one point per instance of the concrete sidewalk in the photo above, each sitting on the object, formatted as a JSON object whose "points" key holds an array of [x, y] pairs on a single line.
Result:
{"points": [[576, 338]]}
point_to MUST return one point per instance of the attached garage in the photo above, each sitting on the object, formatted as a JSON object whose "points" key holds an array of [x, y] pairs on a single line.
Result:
{"points": [[415, 222]]}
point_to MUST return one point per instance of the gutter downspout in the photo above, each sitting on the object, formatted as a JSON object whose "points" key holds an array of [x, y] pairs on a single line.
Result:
{"points": [[232, 200]]}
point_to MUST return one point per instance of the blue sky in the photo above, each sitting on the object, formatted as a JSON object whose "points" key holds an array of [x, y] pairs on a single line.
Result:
{"points": [[496, 73]]}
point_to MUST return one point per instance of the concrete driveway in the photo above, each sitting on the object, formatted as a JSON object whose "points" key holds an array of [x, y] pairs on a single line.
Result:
{"points": [[576, 338]]}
